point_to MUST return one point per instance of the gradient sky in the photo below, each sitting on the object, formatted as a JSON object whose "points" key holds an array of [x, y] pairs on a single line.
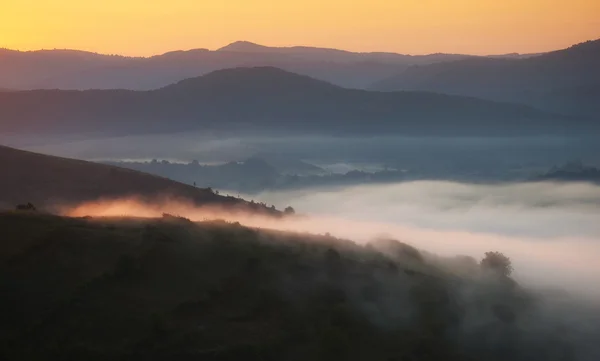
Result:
{"points": [[146, 27]]}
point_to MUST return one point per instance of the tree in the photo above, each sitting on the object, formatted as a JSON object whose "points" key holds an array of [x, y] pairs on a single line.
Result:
{"points": [[289, 210], [497, 262], [26, 207]]}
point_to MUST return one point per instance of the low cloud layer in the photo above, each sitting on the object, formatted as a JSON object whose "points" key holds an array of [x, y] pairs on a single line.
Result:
{"points": [[550, 231]]}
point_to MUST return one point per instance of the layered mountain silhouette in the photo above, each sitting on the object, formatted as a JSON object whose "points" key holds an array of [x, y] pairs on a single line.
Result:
{"points": [[268, 99], [566, 81], [69, 69], [38, 69], [47, 181], [336, 55]]}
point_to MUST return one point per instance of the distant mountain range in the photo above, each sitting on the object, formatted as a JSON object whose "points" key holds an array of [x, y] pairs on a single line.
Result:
{"points": [[47, 181], [268, 99], [71, 69], [566, 81]]}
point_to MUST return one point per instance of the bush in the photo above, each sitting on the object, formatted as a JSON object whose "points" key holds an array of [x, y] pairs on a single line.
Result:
{"points": [[497, 262], [26, 207]]}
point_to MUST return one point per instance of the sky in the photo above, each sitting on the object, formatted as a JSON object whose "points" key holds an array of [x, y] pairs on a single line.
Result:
{"points": [[148, 27]]}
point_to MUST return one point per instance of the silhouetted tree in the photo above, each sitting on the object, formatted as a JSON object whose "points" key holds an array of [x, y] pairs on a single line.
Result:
{"points": [[497, 262], [26, 207], [289, 210]]}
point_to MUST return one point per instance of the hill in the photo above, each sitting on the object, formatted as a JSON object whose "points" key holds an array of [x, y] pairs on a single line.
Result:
{"points": [[537, 80], [28, 69], [78, 70], [264, 100], [578, 100], [170, 289], [47, 181]]}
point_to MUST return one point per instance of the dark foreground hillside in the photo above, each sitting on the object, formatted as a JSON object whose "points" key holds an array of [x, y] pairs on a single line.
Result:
{"points": [[48, 181], [169, 289]]}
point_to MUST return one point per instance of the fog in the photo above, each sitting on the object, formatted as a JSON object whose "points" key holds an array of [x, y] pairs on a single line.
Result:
{"points": [[550, 231], [395, 150]]}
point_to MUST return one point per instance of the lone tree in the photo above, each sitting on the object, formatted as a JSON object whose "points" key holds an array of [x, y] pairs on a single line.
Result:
{"points": [[289, 210], [497, 262], [26, 207]]}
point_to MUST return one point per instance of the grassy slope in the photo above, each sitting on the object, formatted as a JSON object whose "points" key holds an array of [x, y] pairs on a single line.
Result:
{"points": [[171, 289], [46, 180]]}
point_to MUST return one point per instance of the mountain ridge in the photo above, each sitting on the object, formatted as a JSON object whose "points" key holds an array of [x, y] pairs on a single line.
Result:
{"points": [[267, 99], [530, 80], [81, 70]]}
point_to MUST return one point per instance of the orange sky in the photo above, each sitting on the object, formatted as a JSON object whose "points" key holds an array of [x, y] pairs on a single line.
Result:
{"points": [[146, 27]]}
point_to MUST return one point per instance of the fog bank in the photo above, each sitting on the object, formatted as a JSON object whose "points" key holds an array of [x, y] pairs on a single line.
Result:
{"points": [[550, 231]]}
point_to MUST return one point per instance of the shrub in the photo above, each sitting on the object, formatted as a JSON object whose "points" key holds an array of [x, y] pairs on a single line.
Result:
{"points": [[25, 207], [498, 263]]}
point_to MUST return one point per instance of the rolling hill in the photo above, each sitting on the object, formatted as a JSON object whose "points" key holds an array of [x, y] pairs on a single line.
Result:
{"points": [[542, 81], [71, 69], [46, 181], [171, 289], [272, 100]]}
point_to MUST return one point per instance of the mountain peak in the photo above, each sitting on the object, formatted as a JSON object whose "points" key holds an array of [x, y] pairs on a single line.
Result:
{"points": [[264, 76], [243, 46]]}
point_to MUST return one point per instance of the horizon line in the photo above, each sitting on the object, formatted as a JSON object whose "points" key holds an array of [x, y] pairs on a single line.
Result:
{"points": [[284, 47]]}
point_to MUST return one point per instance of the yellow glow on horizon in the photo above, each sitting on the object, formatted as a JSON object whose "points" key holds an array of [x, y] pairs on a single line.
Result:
{"points": [[147, 27]]}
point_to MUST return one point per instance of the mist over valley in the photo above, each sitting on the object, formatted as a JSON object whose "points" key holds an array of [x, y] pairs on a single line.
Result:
{"points": [[295, 203]]}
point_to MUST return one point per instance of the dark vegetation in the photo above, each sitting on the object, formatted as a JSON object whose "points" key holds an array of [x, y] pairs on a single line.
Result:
{"points": [[26, 207], [268, 101], [170, 289], [46, 181], [497, 263], [571, 172]]}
